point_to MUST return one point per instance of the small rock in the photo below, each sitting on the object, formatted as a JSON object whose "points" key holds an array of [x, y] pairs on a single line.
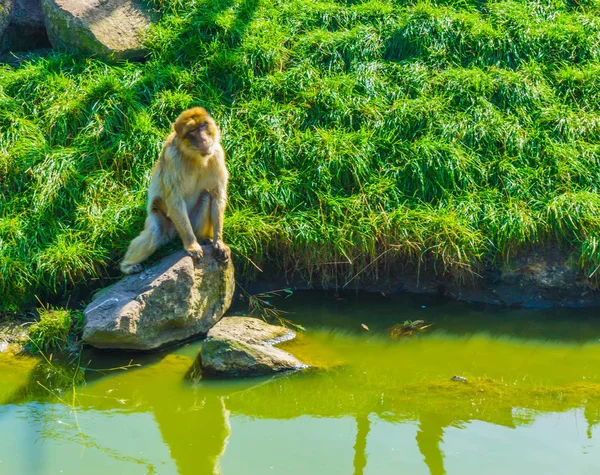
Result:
{"points": [[243, 346], [176, 299], [460, 379], [13, 335], [236, 358], [110, 29], [250, 330]]}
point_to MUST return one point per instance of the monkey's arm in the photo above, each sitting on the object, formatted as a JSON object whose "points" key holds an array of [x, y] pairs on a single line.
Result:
{"points": [[177, 213]]}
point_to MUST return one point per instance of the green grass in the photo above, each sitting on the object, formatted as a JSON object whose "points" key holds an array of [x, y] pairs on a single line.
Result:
{"points": [[54, 329], [449, 134]]}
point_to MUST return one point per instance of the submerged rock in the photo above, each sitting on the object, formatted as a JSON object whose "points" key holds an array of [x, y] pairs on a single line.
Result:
{"points": [[174, 300], [110, 29], [243, 346], [408, 328]]}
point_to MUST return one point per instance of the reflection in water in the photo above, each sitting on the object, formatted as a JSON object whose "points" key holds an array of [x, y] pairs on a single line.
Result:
{"points": [[429, 437], [360, 447], [390, 408], [204, 427]]}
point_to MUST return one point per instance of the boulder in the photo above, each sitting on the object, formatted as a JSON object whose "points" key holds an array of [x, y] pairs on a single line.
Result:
{"points": [[27, 28], [174, 300], [244, 346], [5, 11], [109, 29]]}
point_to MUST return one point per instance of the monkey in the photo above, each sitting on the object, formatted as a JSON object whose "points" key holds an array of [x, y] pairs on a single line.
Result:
{"points": [[187, 193]]}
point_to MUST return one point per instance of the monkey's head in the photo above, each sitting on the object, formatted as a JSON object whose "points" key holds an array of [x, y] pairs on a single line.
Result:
{"points": [[197, 131]]}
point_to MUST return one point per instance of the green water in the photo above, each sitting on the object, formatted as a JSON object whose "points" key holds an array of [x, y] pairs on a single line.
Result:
{"points": [[380, 406]]}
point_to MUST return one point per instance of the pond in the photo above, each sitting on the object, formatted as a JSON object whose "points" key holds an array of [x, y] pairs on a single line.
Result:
{"points": [[531, 402]]}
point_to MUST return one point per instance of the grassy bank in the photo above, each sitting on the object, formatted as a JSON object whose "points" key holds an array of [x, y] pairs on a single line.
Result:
{"points": [[452, 133]]}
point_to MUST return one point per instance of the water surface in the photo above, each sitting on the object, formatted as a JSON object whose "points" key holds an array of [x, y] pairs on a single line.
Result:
{"points": [[380, 406]]}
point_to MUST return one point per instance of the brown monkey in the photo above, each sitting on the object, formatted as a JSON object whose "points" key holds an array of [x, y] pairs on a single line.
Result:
{"points": [[188, 192]]}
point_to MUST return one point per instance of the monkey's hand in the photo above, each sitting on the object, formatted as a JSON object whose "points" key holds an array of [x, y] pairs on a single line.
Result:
{"points": [[222, 252], [194, 250]]}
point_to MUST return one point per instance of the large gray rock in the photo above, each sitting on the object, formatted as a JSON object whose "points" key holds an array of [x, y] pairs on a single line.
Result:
{"points": [[110, 29], [243, 346], [5, 11], [27, 28], [172, 301]]}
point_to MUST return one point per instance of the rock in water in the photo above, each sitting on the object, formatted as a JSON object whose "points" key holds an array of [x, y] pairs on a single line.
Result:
{"points": [[110, 29], [243, 346], [174, 300]]}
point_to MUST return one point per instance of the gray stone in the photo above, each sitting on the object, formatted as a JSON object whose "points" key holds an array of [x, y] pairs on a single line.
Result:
{"points": [[174, 300], [250, 330], [244, 346], [27, 28], [110, 29], [5, 11], [28, 13], [13, 335]]}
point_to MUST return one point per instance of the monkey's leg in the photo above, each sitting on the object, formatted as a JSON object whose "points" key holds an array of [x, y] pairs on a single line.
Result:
{"points": [[177, 213], [155, 233], [200, 219], [217, 210]]}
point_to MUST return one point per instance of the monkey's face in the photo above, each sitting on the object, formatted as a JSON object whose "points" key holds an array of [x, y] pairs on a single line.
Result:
{"points": [[201, 138], [197, 131]]}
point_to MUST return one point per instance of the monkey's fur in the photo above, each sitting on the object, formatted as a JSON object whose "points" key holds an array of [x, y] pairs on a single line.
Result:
{"points": [[187, 194]]}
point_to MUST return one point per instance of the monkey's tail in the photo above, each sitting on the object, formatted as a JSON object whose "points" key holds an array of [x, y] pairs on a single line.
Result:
{"points": [[149, 240]]}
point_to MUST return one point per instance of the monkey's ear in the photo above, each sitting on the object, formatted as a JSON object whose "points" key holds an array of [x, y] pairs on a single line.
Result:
{"points": [[179, 128]]}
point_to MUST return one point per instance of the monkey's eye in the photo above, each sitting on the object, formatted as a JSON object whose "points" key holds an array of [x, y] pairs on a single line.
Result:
{"points": [[203, 126]]}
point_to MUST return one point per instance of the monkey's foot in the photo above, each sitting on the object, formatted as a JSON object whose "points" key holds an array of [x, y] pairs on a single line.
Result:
{"points": [[195, 251], [221, 251], [132, 269]]}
